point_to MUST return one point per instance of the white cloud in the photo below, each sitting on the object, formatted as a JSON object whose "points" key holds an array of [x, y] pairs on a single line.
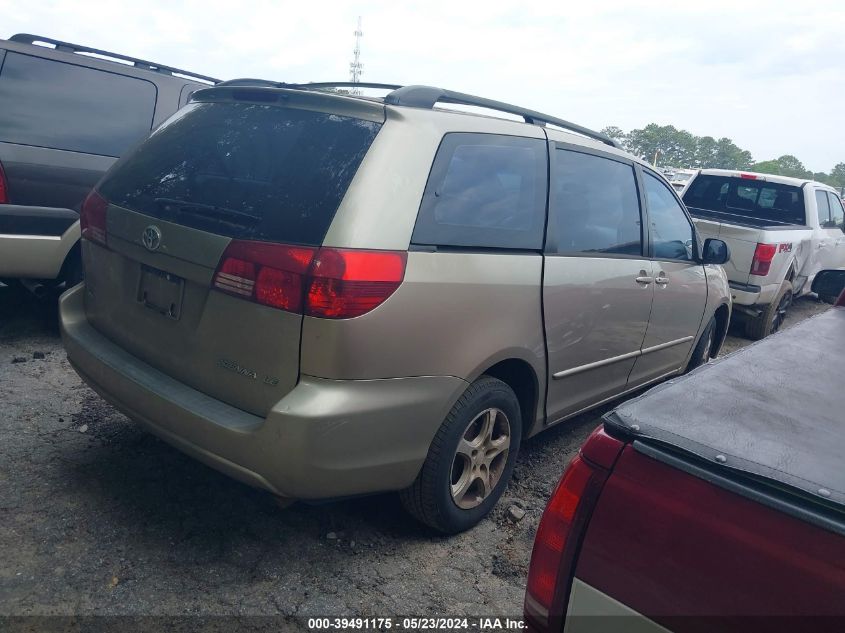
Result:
{"points": [[767, 74]]}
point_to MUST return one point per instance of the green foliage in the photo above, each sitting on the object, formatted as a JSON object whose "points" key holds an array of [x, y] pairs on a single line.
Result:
{"points": [[791, 166], [729, 156], [617, 134], [837, 175], [670, 145], [768, 167], [679, 148]]}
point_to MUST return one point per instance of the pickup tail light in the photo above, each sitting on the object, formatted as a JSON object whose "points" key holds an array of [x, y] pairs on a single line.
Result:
{"points": [[561, 531], [4, 187], [330, 283], [763, 256], [92, 220]]}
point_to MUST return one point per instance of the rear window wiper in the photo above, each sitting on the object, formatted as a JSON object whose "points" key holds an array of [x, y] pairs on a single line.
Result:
{"points": [[207, 209]]}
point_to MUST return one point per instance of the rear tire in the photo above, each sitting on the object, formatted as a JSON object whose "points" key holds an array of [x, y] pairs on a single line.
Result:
{"points": [[772, 318], [470, 460], [703, 351]]}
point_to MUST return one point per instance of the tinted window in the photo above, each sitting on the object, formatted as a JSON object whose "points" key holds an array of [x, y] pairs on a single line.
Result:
{"points": [[837, 215], [671, 232], [485, 190], [244, 170], [595, 205], [63, 106], [757, 199], [823, 208]]}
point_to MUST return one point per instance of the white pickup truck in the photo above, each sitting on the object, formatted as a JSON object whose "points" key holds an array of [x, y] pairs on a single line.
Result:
{"points": [[781, 232]]}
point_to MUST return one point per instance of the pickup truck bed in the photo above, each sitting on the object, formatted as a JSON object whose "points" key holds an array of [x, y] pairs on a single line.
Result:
{"points": [[715, 501]]}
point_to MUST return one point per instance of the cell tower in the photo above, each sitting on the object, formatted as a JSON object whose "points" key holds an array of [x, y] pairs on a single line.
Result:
{"points": [[356, 68]]}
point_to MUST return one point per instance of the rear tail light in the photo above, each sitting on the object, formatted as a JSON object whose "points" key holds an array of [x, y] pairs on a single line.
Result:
{"points": [[4, 187], [92, 220], [749, 177], [348, 283], [763, 256], [561, 531], [330, 283], [269, 274]]}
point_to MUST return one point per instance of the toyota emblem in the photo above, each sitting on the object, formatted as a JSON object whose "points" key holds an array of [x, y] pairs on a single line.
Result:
{"points": [[151, 238]]}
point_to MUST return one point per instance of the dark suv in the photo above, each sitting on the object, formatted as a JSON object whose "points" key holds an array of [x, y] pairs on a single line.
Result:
{"points": [[66, 113]]}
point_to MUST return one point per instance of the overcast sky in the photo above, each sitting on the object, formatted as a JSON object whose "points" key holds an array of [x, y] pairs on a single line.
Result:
{"points": [[769, 75]]}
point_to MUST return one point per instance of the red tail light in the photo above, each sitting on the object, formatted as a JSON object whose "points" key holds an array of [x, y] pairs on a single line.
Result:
{"points": [[269, 274], [763, 256], [4, 187], [326, 282], [92, 220], [749, 177], [561, 531], [349, 283]]}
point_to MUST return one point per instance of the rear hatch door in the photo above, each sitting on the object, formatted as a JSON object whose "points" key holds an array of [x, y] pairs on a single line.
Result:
{"points": [[265, 166]]}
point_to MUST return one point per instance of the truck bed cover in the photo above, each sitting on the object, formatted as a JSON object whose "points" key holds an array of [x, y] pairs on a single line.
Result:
{"points": [[773, 410]]}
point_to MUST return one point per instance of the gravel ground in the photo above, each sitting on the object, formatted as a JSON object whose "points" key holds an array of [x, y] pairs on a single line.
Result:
{"points": [[98, 517]]}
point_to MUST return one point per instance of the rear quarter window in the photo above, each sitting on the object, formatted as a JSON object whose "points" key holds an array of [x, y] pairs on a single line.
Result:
{"points": [[244, 170], [46, 103], [487, 191]]}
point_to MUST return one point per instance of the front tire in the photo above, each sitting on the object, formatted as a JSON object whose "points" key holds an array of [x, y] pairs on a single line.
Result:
{"points": [[773, 316], [470, 460]]}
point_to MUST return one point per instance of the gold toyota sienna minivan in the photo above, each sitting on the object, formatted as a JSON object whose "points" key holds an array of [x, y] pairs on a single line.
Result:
{"points": [[326, 295]]}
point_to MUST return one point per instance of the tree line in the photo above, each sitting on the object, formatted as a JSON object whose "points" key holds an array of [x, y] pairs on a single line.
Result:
{"points": [[669, 146]]}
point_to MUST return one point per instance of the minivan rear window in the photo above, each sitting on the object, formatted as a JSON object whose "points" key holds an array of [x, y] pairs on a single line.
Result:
{"points": [[244, 170], [755, 199]]}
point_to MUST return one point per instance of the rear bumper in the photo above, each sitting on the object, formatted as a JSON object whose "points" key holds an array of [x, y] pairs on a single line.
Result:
{"points": [[750, 294], [324, 439], [35, 250]]}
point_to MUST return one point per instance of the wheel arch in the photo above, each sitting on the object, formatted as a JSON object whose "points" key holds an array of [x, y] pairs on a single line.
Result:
{"points": [[520, 376], [722, 314]]}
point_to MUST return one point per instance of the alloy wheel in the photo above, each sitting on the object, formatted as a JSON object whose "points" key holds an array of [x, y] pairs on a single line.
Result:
{"points": [[780, 312], [480, 458]]}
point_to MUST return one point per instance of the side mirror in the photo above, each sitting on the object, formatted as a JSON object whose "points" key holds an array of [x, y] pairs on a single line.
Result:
{"points": [[715, 252], [829, 284]]}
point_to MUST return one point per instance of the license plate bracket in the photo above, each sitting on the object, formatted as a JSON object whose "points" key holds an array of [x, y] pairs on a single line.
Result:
{"points": [[161, 292]]}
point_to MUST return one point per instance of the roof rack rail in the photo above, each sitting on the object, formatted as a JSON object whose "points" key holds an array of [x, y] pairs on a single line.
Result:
{"points": [[307, 86], [67, 47], [429, 96]]}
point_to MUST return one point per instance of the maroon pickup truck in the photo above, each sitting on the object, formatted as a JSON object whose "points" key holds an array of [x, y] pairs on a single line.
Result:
{"points": [[714, 502]]}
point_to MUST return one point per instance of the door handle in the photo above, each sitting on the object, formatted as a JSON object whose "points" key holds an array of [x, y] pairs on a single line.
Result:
{"points": [[661, 279], [644, 278], [822, 244]]}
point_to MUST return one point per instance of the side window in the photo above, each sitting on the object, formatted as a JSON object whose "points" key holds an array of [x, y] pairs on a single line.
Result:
{"points": [[485, 190], [671, 232], [823, 209], [46, 103], [837, 214], [595, 205]]}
